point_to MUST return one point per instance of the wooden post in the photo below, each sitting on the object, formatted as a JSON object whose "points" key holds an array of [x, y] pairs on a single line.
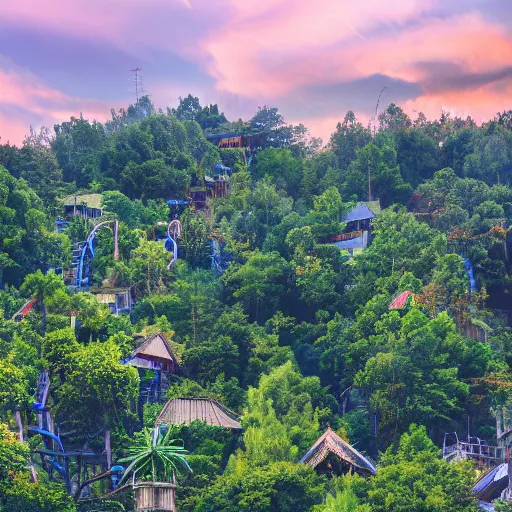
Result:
{"points": [[116, 240], [33, 471], [20, 423], [173, 495], [108, 449], [66, 470], [509, 462], [79, 470], [49, 422]]}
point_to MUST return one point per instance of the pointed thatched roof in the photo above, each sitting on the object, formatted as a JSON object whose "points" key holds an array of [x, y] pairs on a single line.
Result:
{"points": [[154, 353], [330, 443], [183, 411]]}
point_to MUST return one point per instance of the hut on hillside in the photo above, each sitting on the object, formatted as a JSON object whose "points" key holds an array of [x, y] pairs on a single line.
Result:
{"points": [[155, 353], [87, 206], [331, 455], [359, 218], [183, 411], [118, 300], [357, 235]]}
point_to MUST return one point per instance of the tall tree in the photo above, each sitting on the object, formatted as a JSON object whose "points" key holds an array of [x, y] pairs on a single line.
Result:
{"points": [[41, 287]]}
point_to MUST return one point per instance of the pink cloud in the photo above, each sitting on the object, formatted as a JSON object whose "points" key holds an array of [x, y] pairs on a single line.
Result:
{"points": [[39, 104], [12, 129], [24, 89], [101, 18], [466, 41], [481, 104], [134, 26], [265, 50], [269, 42], [327, 45], [324, 126]]}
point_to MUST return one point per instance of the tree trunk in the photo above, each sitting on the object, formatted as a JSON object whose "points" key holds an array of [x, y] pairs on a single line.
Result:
{"points": [[45, 316], [20, 424], [108, 449]]}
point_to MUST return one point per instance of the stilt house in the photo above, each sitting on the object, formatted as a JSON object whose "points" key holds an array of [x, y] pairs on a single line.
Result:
{"points": [[154, 354]]}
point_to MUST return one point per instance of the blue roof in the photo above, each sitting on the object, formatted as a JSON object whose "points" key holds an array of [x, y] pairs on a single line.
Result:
{"points": [[360, 212], [354, 243], [222, 168]]}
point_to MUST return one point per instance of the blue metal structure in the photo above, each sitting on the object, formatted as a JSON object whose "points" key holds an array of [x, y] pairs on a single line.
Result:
{"points": [[468, 267], [43, 432], [177, 202], [48, 438], [174, 230], [61, 225], [220, 258], [115, 475], [84, 253]]}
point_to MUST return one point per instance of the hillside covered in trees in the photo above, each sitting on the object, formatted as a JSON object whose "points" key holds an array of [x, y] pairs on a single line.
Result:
{"points": [[279, 307]]}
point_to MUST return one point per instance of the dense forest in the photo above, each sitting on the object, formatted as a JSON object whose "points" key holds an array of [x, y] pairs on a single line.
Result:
{"points": [[390, 347]]}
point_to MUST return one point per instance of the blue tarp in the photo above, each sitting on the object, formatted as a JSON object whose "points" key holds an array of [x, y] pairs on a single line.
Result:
{"points": [[176, 202], [221, 169], [354, 243]]}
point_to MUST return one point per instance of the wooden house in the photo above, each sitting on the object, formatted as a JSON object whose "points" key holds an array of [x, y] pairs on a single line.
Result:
{"points": [[359, 218], [154, 354], [357, 234], [86, 206], [331, 455], [119, 300]]}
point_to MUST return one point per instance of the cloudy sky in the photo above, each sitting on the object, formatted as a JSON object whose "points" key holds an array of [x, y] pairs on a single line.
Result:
{"points": [[313, 59]]}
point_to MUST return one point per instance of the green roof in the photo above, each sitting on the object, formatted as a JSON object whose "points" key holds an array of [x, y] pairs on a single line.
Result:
{"points": [[92, 200], [373, 205]]}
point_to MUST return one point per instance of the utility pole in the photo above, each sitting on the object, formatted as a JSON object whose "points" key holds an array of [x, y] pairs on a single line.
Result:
{"points": [[372, 135], [137, 75], [369, 179]]}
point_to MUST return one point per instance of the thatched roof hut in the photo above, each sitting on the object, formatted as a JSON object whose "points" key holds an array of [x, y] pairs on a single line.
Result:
{"points": [[183, 411], [332, 455], [155, 353]]}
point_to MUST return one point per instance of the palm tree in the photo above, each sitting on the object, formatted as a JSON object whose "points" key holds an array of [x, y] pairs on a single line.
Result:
{"points": [[155, 456], [41, 286]]}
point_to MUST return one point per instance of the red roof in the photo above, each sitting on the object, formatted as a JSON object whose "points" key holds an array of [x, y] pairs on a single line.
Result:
{"points": [[25, 310], [401, 301]]}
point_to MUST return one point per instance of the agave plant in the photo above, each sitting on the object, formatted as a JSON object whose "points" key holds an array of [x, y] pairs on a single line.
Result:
{"points": [[155, 456]]}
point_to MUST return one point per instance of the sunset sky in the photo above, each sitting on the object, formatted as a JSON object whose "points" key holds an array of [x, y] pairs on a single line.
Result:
{"points": [[313, 59]]}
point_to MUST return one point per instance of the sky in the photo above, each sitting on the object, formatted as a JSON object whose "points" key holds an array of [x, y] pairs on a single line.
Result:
{"points": [[313, 59]]}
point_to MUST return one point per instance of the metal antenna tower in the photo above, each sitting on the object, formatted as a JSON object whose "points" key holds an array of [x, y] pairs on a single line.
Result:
{"points": [[373, 121], [137, 75]]}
